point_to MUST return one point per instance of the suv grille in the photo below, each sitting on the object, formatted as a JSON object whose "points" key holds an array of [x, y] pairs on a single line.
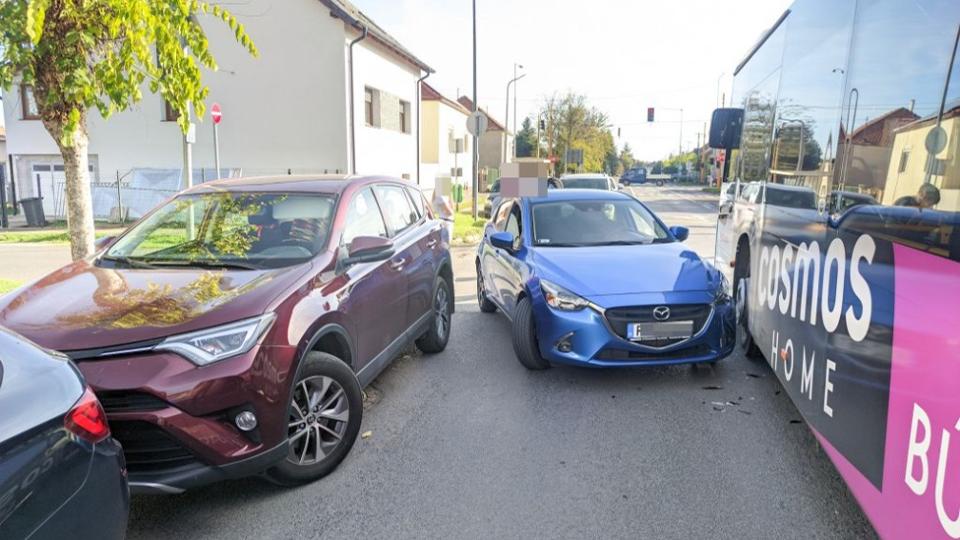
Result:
{"points": [[148, 448], [619, 318], [122, 401]]}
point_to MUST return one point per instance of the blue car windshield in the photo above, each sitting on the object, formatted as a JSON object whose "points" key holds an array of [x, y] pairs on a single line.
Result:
{"points": [[595, 223]]}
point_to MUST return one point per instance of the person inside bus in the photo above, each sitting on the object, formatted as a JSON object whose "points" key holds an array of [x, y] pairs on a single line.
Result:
{"points": [[927, 197]]}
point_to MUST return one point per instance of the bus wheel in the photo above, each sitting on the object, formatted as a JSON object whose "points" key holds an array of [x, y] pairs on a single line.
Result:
{"points": [[741, 280]]}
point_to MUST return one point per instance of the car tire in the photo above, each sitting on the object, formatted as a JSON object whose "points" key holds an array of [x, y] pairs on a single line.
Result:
{"points": [[331, 382], [435, 339], [626, 183], [741, 281], [659, 183], [486, 305], [525, 338]]}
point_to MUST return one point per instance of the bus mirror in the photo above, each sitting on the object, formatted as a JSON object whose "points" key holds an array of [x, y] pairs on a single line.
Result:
{"points": [[725, 128]]}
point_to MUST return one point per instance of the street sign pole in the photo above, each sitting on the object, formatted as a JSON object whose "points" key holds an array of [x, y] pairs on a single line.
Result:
{"points": [[216, 115], [216, 148], [476, 135]]}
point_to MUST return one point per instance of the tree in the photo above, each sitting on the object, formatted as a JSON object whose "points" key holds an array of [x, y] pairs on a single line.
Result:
{"points": [[626, 157], [81, 54], [526, 139], [572, 124]]}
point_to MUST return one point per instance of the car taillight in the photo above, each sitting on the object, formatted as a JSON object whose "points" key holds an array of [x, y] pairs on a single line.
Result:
{"points": [[87, 420]]}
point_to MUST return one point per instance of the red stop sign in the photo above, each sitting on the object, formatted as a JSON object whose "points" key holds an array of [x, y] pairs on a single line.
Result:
{"points": [[215, 113]]}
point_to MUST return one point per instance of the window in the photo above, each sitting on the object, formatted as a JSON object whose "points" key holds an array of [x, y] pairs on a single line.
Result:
{"points": [[169, 113], [904, 158], [916, 198], [368, 104], [397, 210], [502, 212], [29, 103], [594, 223], [513, 223], [417, 197], [363, 218], [405, 116]]}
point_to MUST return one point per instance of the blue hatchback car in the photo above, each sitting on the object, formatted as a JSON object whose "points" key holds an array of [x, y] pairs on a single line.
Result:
{"points": [[594, 278]]}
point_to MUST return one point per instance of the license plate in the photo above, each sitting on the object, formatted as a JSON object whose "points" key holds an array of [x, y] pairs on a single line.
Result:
{"points": [[652, 331]]}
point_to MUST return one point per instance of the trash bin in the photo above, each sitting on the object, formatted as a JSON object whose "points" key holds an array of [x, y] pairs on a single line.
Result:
{"points": [[33, 211]]}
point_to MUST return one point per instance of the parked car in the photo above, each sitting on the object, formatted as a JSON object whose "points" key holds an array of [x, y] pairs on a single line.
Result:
{"points": [[728, 194], [563, 269], [230, 331], [636, 175], [493, 200], [841, 201], [588, 181], [59, 467]]}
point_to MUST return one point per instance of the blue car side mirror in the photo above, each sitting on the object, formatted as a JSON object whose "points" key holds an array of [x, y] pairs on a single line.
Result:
{"points": [[680, 233], [502, 240]]}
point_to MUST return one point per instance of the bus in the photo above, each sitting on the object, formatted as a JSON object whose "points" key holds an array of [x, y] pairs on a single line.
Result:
{"points": [[842, 245]]}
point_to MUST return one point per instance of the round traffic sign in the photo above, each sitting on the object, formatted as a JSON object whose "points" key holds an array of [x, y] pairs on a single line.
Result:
{"points": [[215, 113], [936, 140], [477, 124]]}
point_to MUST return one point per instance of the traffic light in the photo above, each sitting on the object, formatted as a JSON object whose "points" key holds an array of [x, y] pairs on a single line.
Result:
{"points": [[543, 125], [649, 114]]}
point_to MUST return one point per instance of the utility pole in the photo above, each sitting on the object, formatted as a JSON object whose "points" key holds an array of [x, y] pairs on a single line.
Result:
{"points": [[476, 136], [514, 112], [681, 133], [506, 112]]}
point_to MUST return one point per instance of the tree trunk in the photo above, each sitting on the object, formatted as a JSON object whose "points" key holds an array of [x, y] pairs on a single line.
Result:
{"points": [[79, 201]]}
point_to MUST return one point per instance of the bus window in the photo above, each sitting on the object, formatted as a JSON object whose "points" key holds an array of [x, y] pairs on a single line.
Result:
{"points": [[891, 123]]}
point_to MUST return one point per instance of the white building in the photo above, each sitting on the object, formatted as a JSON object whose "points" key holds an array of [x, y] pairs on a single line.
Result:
{"points": [[323, 67], [446, 148]]}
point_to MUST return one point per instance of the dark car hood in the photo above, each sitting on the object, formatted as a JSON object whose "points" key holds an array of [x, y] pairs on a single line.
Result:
{"points": [[607, 270], [82, 306]]}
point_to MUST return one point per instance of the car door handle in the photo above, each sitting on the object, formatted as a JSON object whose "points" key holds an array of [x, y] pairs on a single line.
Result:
{"points": [[397, 264], [431, 242]]}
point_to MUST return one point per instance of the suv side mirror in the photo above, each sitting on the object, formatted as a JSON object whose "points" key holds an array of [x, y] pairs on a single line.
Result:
{"points": [[368, 249], [725, 127], [502, 240], [680, 233]]}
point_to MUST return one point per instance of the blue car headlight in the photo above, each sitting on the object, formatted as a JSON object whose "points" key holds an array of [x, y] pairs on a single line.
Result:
{"points": [[559, 298]]}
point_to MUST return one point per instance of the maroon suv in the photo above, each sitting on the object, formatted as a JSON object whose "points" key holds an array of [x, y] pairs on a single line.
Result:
{"points": [[229, 332]]}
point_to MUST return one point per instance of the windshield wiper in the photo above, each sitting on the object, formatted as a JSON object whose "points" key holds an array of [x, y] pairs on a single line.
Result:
{"points": [[559, 244], [128, 261], [623, 243], [204, 263]]}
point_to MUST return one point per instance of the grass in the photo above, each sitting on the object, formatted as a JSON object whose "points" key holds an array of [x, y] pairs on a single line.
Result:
{"points": [[466, 230], [711, 189], [51, 236], [7, 285]]}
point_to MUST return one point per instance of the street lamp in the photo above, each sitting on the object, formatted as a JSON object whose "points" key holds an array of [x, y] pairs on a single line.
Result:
{"points": [[506, 114]]}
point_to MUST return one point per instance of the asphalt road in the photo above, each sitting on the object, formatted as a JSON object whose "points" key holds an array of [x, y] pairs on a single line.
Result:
{"points": [[469, 444]]}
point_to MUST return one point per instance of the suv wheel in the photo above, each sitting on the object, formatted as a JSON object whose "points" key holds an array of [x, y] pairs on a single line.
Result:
{"points": [[435, 339], [486, 305], [326, 408], [525, 338]]}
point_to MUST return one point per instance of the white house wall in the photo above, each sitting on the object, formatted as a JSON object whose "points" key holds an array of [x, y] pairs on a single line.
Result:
{"points": [[381, 150], [283, 110]]}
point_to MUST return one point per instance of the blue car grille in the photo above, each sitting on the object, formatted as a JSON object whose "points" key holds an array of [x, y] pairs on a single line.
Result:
{"points": [[619, 354], [620, 317]]}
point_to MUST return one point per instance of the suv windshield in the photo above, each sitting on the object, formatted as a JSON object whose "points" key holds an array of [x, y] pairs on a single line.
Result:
{"points": [[585, 183], [228, 229], [595, 223]]}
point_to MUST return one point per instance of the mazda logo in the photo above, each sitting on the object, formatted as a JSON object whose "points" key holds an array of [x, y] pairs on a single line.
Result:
{"points": [[661, 313]]}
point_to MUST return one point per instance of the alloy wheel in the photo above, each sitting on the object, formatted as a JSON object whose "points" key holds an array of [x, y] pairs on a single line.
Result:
{"points": [[319, 413], [441, 307]]}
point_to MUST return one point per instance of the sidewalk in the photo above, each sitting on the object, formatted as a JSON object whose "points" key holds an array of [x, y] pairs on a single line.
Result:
{"points": [[27, 262]]}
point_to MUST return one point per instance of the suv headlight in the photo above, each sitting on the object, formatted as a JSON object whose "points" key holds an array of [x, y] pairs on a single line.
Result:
{"points": [[559, 298], [214, 344]]}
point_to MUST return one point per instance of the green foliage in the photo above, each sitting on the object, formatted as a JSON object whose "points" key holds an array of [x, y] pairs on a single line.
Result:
{"points": [[571, 123], [80, 54], [526, 139]]}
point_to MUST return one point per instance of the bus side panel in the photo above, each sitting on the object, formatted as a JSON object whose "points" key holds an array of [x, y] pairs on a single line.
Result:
{"points": [[921, 485]]}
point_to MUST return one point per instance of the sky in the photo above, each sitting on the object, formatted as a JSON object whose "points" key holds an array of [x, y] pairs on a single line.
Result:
{"points": [[624, 55]]}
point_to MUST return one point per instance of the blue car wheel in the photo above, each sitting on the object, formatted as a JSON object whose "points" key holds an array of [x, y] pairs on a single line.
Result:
{"points": [[525, 338]]}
